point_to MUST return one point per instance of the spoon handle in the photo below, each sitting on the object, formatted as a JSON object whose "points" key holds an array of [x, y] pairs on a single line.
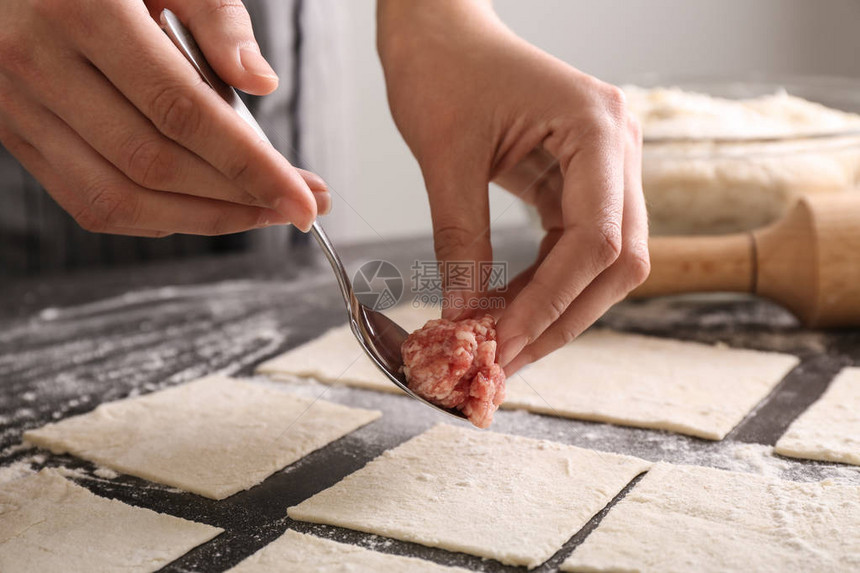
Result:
{"points": [[183, 40], [379, 337]]}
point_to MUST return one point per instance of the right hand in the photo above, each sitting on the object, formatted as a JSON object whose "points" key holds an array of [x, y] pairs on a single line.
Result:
{"points": [[97, 103], [477, 104]]}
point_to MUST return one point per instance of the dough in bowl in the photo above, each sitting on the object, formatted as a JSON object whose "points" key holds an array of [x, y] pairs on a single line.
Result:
{"points": [[696, 182]]}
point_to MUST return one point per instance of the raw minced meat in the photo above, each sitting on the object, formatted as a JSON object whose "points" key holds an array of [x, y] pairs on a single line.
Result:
{"points": [[453, 364]]}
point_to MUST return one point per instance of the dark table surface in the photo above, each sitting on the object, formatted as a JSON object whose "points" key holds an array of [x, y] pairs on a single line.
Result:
{"points": [[69, 343]]}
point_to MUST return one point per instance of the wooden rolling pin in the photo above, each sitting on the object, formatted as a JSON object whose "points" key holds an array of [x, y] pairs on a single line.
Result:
{"points": [[808, 261]]}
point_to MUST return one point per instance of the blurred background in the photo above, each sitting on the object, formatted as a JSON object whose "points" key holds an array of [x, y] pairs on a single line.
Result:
{"points": [[350, 138], [330, 114]]}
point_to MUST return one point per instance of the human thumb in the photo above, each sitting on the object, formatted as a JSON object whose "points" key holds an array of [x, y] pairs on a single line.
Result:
{"points": [[223, 31]]}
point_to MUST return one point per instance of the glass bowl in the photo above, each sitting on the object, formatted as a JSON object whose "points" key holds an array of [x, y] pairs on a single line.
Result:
{"points": [[722, 177]]}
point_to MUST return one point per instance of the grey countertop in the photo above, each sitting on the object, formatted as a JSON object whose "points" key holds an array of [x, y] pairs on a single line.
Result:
{"points": [[68, 343]]}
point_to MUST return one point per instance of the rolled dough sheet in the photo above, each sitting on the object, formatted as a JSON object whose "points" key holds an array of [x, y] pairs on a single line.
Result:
{"points": [[604, 376], [503, 497], [48, 523], [336, 356], [649, 382], [830, 429], [686, 518], [295, 551], [214, 436]]}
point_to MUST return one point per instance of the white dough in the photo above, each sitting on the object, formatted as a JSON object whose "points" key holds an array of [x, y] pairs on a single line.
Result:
{"points": [[672, 112], [214, 436], [830, 429], [299, 552], [48, 523], [649, 382], [687, 518], [337, 358], [706, 188], [503, 497], [334, 358], [605, 376]]}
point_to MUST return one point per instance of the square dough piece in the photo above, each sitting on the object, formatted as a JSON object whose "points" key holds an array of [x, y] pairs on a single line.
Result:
{"points": [[299, 552], [336, 356], [214, 436], [48, 523], [503, 497], [604, 376], [650, 382], [830, 429], [687, 518]]}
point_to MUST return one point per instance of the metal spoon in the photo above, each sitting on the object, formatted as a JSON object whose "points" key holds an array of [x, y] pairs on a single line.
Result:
{"points": [[379, 336]]}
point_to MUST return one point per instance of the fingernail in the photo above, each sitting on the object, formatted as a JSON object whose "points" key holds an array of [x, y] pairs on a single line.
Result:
{"points": [[264, 220], [326, 202], [285, 214], [269, 218], [509, 350], [255, 63]]}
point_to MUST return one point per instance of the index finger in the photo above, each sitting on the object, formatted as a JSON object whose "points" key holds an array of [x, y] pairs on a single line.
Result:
{"points": [[128, 47], [592, 202]]}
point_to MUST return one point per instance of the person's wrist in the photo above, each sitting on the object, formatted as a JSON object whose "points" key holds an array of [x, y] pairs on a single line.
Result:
{"points": [[404, 26]]}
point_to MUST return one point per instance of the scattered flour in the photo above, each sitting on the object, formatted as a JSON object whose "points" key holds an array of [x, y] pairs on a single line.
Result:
{"points": [[21, 467], [105, 473], [15, 470], [50, 313], [404, 418], [72, 473]]}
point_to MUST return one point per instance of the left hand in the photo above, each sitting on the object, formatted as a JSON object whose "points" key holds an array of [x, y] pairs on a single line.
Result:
{"points": [[101, 108], [477, 104]]}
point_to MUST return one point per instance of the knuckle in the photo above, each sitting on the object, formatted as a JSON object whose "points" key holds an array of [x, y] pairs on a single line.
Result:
{"points": [[237, 168], [614, 102], [557, 297], [150, 163], [106, 206], [606, 242], [602, 125], [608, 109], [228, 8], [558, 303], [231, 11], [175, 113], [449, 240], [568, 334]]}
